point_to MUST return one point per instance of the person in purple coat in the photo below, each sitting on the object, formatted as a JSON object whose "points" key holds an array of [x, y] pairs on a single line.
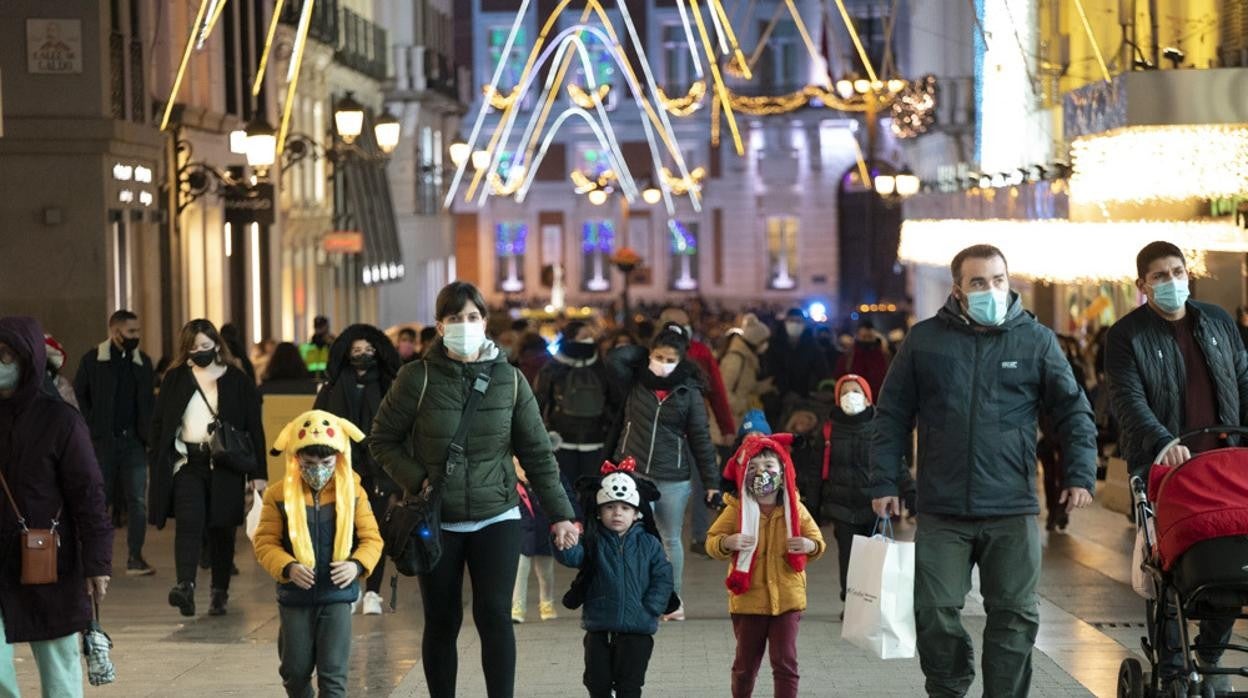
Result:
{"points": [[49, 465]]}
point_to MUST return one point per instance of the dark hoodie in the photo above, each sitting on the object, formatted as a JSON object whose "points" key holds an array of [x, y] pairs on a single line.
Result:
{"points": [[47, 459], [357, 398], [552, 384], [797, 366]]}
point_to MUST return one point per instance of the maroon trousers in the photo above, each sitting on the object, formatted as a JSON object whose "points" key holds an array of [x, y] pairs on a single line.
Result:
{"points": [[756, 634]]}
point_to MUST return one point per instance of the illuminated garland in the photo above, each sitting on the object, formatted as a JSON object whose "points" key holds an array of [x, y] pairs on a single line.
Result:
{"points": [[1063, 251], [1142, 164], [587, 100], [682, 185], [684, 106], [585, 184], [914, 108]]}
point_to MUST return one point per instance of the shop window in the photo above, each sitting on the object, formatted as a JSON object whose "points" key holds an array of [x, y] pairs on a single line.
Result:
{"points": [[509, 241], [781, 252], [679, 72], [597, 242], [683, 264], [513, 68]]}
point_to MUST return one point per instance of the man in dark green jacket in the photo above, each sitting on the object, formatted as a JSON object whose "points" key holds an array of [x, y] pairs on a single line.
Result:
{"points": [[1175, 366], [973, 379]]}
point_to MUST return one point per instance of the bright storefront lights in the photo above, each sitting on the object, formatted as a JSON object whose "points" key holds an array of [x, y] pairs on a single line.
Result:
{"points": [[1160, 163], [1063, 251]]}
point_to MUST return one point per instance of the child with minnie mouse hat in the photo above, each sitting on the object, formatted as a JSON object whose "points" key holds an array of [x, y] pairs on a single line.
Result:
{"points": [[767, 535], [625, 580]]}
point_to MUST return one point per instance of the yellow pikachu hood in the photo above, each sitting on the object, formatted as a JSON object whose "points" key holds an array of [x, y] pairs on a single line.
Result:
{"points": [[318, 428]]}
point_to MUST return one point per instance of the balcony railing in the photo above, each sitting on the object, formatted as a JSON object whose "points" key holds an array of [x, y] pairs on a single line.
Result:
{"points": [[421, 69], [362, 46], [324, 25]]}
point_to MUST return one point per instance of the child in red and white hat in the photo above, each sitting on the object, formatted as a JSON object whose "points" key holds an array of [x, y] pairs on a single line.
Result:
{"points": [[767, 535]]}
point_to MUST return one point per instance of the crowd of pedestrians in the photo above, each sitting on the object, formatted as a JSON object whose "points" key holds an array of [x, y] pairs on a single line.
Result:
{"points": [[593, 449]]}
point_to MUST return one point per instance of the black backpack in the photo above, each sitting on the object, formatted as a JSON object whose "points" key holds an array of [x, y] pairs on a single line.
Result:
{"points": [[582, 394]]}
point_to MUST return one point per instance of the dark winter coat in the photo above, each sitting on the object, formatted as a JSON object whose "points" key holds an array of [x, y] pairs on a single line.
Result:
{"points": [[549, 389], [866, 359], [631, 584], [847, 491], [534, 524], [796, 366], [420, 414], [357, 399], [1147, 377], [47, 459], [95, 385], [668, 438], [974, 394], [238, 403]]}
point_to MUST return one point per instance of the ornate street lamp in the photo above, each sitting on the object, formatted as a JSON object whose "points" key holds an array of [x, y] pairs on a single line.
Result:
{"points": [[260, 144], [349, 118], [387, 131]]}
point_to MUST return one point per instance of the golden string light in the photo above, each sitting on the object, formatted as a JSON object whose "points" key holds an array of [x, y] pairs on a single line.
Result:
{"points": [[587, 100], [686, 105], [1142, 164], [683, 185]]}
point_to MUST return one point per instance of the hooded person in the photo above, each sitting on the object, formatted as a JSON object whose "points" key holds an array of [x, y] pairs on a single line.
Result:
{"points": [[50, 469], [767, 535], [317, 535], [741, 365], [794, 360], [57, 383]]}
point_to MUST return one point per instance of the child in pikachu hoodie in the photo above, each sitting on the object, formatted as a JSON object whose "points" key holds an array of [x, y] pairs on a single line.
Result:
{"points": [[316, 537]]}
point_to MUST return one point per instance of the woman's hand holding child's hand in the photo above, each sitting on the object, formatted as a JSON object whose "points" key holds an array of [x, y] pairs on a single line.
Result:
{"points": [[302, 576], [343, 573], [739, 542], [800, 544], [566, 534]]}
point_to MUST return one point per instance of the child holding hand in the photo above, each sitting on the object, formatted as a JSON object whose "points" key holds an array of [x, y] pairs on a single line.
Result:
{"points": [[625, 581], [768, 535]]}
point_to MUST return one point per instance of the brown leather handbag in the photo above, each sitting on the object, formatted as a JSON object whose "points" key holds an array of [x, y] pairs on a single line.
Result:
{"points": [[39, 545]]}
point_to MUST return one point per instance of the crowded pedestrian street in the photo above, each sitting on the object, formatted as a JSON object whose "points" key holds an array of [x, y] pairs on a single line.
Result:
{"points": [[1090, 621], [693, 348]]}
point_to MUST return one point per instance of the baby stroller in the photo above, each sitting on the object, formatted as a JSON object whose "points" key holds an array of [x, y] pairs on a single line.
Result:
{"points": [[1194, 526]]}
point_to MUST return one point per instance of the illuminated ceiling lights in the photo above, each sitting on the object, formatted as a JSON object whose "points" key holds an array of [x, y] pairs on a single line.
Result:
{"points": [[1064, 251], [564, 47], [1143, 164]]}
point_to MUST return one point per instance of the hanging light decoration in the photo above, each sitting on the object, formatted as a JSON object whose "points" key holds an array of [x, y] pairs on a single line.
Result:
{"points": [[914, 108]]}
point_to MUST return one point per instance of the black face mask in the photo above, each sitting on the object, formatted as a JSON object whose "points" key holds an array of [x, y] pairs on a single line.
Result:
{"points": [[363, 362], [129, 344], [579, 352], [204, 359]]}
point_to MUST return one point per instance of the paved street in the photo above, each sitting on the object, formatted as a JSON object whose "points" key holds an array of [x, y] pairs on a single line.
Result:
{"points": [[1090, 618]]}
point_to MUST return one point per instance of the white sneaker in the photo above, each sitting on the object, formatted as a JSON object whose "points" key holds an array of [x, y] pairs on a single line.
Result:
{"points": [[372, 604]]}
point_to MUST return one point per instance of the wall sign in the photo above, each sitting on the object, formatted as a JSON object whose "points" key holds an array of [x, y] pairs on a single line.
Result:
{"points": [[54, 46], [244, 205]]}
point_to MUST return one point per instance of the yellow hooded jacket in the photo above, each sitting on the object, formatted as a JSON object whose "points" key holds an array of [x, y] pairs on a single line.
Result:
{"points": [[354, 520]]}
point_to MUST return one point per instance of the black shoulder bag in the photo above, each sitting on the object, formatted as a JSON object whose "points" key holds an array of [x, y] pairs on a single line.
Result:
{"points": [[412, 528], [231, 447]]}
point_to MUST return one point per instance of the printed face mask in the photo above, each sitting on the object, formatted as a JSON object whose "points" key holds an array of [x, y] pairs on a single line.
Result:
{"points": [[205, 358], [764, 483], [317, 475], [464, 338], [660, 369], [988, 308], [9, 374], [853, 403], [1172, 295]]}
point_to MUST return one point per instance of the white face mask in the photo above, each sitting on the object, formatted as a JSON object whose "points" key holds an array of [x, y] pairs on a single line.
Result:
{"points": [[464, 338], [853, 403], [660, 369], [794, 329]]}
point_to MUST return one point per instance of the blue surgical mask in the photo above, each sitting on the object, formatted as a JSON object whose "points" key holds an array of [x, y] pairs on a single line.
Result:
{"points": [[1172, 295], [988, 308], [9, 375]]}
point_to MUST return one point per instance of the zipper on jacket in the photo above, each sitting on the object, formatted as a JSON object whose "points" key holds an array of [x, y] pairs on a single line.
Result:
{"points": [[623, 446], [620, 595], [316, 541], [655, 432], [970, 450]]}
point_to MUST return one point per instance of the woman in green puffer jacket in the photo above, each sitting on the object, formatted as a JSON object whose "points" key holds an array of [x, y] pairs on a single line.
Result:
{"points": [[481, 530], [665, 431]]}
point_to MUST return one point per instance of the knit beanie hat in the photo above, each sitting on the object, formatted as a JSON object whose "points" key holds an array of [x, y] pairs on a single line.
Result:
{"points": [[56, 352], [754, 330], [862, 383], [319, 428], [618, 484], [754, 421], [737, 470]]}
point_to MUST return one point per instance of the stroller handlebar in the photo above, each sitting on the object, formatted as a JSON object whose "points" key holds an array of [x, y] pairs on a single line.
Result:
{"points": [[1217, 429]]}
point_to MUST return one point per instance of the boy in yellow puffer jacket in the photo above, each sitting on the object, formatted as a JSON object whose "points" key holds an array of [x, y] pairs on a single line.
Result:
{"points": [[308, 527], [768, 535]]}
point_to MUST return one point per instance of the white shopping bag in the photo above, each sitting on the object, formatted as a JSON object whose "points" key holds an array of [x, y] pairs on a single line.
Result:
{"points": [[253, 514], [1142, 581], [879, 597]]}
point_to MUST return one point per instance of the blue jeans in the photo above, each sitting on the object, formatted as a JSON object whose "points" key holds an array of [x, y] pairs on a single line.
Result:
{"points": [[58, 662], [123, 463], [669, 516]]}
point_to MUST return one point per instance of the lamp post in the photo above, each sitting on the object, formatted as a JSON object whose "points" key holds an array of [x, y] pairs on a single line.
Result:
{"points": [[626, 260]]}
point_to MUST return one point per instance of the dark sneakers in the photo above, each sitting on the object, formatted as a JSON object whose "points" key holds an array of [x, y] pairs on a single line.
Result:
{"points": [[182, 597], [220, 598], [136, 566]]}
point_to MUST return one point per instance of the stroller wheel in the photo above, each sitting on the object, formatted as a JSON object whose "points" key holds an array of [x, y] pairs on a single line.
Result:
{"points": [[1131, 679]]}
